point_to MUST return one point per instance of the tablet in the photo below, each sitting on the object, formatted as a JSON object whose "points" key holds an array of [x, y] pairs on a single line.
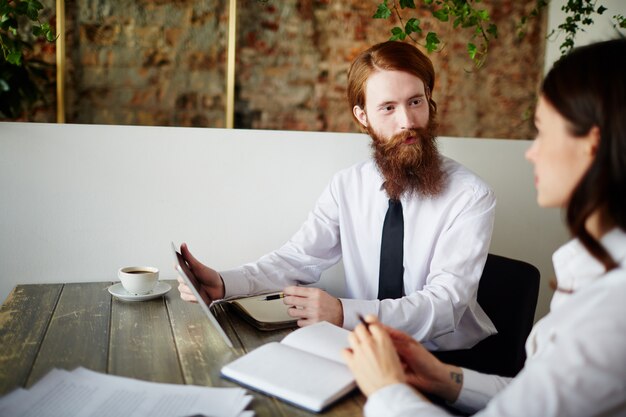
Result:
{"points": [[192, 282]]}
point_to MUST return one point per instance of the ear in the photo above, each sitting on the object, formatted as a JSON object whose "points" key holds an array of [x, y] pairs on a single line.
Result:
{"points": [[593, 141], [360, 115]]}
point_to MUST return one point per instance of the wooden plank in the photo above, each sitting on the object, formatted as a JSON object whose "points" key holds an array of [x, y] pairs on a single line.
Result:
{"points": [[78, 334], [202, 352], [142, 345], [24, 318]]}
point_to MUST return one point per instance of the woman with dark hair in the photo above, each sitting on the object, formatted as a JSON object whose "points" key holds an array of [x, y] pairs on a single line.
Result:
{"points": [[576, 355]]}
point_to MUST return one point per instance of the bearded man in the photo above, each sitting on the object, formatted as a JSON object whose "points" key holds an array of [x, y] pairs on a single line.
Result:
{"points": [[413, 227]]}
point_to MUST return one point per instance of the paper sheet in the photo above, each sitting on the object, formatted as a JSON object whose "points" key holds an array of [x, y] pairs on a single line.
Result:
{"points": [[86, 393]]}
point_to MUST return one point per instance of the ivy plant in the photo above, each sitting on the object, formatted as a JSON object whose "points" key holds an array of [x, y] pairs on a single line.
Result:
{"points": [[580, 13], [467, 14], [20, 78], [460, 13]]}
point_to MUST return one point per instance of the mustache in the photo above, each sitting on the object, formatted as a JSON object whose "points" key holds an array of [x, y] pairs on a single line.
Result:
{"points": [[400, 138]]}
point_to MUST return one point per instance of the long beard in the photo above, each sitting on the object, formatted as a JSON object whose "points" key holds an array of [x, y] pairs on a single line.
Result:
{"points": [[409, 168]]}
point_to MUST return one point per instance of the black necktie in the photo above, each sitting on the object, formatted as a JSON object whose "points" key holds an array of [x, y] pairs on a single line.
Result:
{"points": [[390, 281]]}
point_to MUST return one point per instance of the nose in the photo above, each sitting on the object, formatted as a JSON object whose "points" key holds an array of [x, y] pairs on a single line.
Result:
{"points": [[406, 118], [531, 152]]}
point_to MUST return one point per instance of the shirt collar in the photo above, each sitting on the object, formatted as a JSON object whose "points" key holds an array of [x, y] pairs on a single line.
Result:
{"points": [[380, 179], [575, 267]]}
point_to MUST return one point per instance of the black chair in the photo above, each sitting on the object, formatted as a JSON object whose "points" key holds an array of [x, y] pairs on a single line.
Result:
{"points": [[508, 293]]}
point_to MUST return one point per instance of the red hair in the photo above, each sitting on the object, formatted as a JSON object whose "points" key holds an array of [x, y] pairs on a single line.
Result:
{"points": [[389, 56]]}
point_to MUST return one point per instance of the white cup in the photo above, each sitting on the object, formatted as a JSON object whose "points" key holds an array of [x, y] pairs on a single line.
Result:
{"points": [[138, 280]]}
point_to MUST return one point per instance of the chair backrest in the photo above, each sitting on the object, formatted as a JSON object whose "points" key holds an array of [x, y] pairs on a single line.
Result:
{"points": [[508, 293]]}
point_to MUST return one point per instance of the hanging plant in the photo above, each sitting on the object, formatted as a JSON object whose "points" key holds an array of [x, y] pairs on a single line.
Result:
{"points": [[466, 14], [21, 79]]}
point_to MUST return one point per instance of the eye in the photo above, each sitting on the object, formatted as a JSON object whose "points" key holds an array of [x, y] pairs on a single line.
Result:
{"points": [[416, 102], [387, 109]]}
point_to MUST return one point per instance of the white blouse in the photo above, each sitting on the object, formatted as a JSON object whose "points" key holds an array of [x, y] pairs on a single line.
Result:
{"points": [[576, 363]]}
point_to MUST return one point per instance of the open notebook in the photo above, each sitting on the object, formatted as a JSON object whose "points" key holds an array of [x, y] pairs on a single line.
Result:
{"points": [[305, 369], [263, 314]]}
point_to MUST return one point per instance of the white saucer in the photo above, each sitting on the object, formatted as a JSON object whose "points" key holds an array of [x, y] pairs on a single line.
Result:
{"points": [[118, 291]]}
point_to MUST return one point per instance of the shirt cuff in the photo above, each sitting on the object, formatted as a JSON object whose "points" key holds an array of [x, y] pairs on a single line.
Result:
{"points": [[399, 400], [352, 308], [477, 390], [235, 282]]}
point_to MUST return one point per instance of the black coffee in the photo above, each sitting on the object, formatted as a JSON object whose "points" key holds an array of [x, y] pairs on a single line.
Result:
{"points": [[138, 272]]}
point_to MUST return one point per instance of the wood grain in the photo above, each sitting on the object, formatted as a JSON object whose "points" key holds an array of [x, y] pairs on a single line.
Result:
{"points": [[78, 333], [24, 318], [142, 345], [162, 340]]}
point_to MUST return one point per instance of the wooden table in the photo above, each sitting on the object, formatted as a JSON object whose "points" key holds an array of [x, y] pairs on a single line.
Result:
{"points": [[45, 326]]}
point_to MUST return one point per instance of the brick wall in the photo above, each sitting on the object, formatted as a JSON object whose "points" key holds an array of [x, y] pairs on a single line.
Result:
{"points": [[157, 62]]}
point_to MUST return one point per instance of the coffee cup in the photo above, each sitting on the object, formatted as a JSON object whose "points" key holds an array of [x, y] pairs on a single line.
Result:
{"points": [[138, 280]]}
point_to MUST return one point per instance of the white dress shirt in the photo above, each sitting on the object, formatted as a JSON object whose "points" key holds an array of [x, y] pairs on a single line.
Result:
{"points": [[446, 240], [576, 363]]}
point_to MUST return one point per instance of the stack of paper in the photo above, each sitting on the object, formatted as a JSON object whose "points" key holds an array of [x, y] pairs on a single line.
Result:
{"points": [[86, 393]]}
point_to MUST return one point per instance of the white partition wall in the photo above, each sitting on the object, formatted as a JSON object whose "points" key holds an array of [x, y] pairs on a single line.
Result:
{"points": [[80, 201]]}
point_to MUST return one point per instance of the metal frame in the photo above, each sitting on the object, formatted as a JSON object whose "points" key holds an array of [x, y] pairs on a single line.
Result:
{"points": [[230, 64], [60, 60]]}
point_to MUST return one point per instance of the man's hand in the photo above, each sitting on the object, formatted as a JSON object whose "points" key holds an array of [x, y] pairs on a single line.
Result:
{"points": [[211, 284], [312, 305]]}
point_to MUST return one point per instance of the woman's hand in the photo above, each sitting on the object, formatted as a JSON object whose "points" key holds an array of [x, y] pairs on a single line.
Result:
{"points": [[383, 356], [423, 370], [372, 358]]}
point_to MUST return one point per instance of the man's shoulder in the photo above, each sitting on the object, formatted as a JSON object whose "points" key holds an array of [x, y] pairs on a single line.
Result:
{"points": [[363, 176], [359, 170], [460, 177]]}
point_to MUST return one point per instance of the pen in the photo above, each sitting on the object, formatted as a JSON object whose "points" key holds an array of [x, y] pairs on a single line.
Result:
{"points": [[274, 297], [366, 324]]}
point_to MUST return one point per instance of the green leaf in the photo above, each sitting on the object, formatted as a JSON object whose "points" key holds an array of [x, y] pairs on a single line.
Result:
{"points": [[32, 9], [493, 30], [383, 11], [412, 26], [5, 8], [38, 31], [15, 58], [397, 34], [8, 23], [410, 4], [441, 14], [601, 10], [483, 14], [471, 50], [432, 41]]}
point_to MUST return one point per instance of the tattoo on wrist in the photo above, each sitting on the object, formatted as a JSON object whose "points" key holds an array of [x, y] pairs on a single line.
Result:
{"points": [[457, 377]]}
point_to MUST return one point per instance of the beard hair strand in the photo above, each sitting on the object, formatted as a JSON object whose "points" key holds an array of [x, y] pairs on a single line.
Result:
{"points": [[409, 168]]}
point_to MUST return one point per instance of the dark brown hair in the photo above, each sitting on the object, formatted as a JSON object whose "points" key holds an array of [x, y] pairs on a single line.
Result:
{"points": [[390, 56], [588, 88]]}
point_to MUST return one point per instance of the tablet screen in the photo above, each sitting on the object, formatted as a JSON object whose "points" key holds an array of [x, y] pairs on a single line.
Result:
{"points": [[192, 282]]}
